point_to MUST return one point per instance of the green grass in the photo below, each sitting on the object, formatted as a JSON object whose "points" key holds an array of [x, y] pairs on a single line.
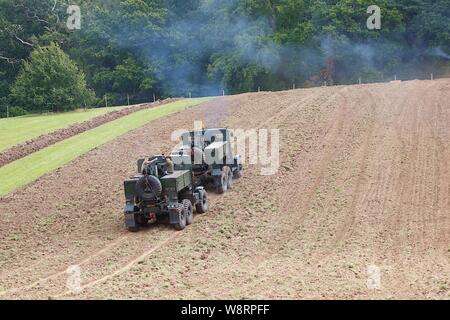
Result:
{"points": [[34, 166], [18, 130]]}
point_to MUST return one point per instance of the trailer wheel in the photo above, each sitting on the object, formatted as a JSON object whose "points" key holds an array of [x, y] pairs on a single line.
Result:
{"points": [[203, 204], [222, 181], [181, 224], [188, 211]]}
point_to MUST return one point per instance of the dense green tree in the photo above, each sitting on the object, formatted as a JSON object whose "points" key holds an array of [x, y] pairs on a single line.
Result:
{"points": [[138, 48], [50, 81]]}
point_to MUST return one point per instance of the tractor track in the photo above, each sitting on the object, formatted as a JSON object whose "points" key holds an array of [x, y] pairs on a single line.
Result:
{"points": [[126, 267], [17, 277], [63, 272]]}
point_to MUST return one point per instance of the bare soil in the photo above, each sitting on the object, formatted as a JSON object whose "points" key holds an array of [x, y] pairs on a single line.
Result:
{"points": [[364, 181], [22, 150]]}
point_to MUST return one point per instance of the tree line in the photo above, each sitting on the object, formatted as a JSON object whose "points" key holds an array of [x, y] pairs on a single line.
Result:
{"points": [[131, 50]]}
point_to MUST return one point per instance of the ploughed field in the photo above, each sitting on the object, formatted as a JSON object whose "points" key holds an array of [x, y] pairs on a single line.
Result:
{"points": [[363, 186]]}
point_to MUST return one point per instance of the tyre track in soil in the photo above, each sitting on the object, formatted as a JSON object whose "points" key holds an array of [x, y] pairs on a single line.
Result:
{"points": [[264, 251], [441, 120], [380, 207], [361, 194], [253, 288], [395, 248], [412, 127], [109, 246], [328, 140], [381, 189], [332, 140], [271, 247], [252, 193], [423, 177], [318, 99], [378, 189], [376, 203], [210, 113], [62, 273], [61, 276], [214, 197], [337, 145], [123, 269], [221, 200]]}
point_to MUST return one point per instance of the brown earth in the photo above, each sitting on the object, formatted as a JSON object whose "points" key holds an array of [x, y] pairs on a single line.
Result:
{"points": [[364, 181], [22, 150]]}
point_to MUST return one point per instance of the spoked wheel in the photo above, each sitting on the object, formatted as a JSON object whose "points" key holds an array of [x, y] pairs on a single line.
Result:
{"points": [[181, 224], [188, 211]]}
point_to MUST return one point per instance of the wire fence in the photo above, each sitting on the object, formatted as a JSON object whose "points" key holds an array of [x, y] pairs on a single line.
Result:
{"points": [[117, 100]]}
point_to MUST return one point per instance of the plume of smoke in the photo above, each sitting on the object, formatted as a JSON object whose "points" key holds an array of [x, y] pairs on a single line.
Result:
{"points": [[183, 60], [438, 52]]}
